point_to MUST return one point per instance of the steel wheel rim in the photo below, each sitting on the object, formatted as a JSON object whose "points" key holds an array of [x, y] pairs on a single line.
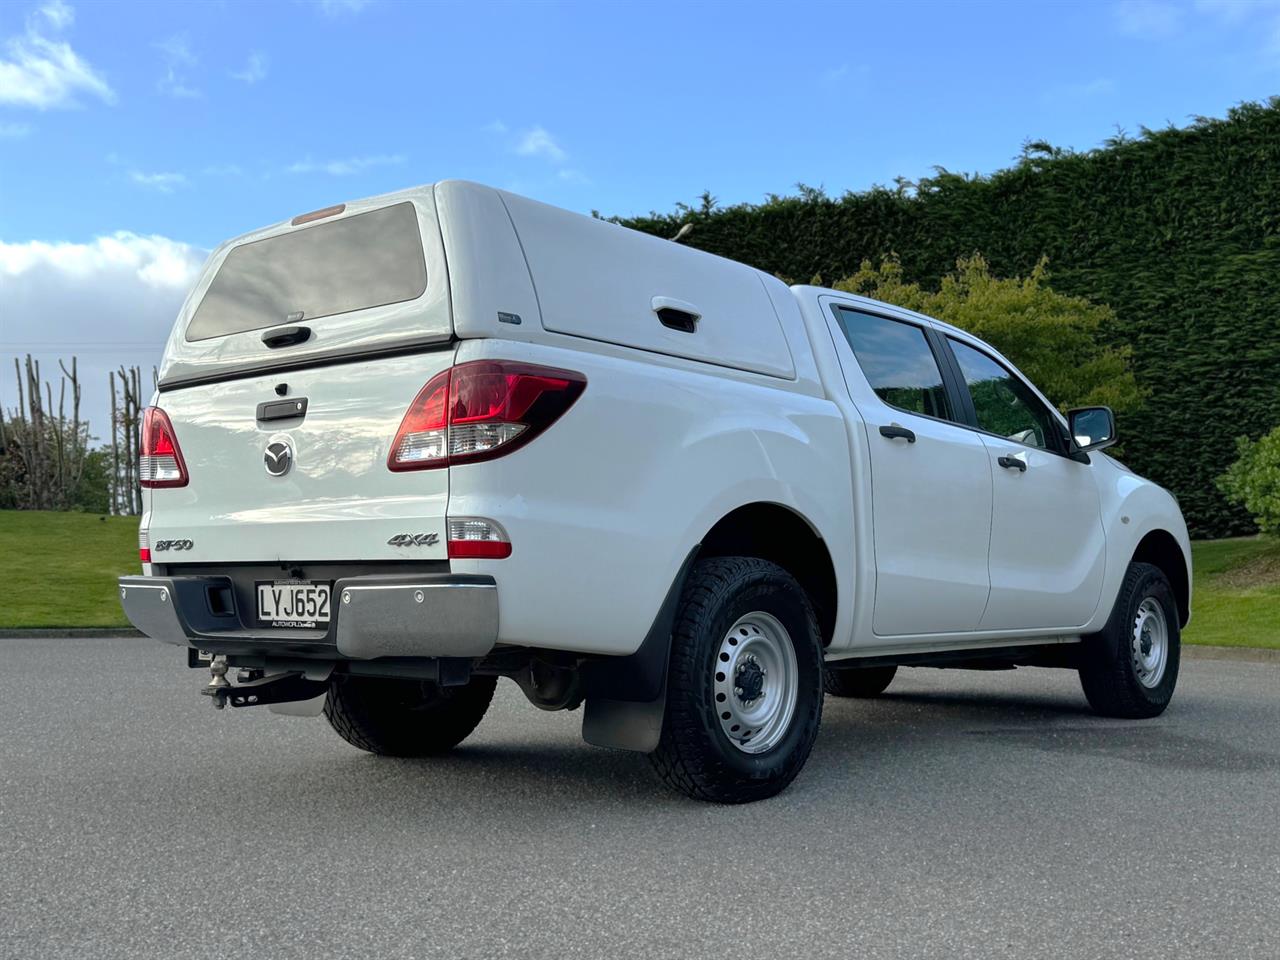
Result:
{"points": [[756, 683], [1149, 643]]}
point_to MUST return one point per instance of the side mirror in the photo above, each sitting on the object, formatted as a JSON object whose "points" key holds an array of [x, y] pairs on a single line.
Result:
{"points": [[1092, 428]]}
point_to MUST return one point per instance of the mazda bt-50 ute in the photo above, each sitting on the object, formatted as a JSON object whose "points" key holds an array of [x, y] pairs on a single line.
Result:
{"points": [[403, 447]]}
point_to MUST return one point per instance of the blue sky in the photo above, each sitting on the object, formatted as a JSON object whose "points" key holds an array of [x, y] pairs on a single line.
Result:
{"points": [[135, 136]]}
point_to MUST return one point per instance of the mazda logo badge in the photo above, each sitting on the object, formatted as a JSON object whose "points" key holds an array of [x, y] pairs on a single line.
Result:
{"points": [[278, 458]]}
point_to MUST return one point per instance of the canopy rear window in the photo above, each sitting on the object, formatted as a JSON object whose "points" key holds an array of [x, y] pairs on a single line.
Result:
{"points": [[368, 260]]}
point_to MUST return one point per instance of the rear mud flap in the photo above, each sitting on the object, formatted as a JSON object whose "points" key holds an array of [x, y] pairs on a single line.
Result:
{"points": [[623, 724]]}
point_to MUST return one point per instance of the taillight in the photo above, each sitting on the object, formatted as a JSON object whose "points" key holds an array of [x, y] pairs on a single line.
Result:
{"points": [[476, 538], [480, 410], [144, 545], [160, 463]]}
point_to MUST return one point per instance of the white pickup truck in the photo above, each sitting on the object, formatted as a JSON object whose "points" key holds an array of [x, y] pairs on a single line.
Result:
{"points": [[405, 446]]}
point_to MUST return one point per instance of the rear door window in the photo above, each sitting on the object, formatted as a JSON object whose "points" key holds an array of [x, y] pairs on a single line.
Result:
{"points": [[368, 260], [898, 362]]}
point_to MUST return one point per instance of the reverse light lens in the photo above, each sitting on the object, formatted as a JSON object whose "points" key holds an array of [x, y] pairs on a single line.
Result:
{"points": [[144, 545], [480, 410], [423, 438], [160, 462], [476, 538]]}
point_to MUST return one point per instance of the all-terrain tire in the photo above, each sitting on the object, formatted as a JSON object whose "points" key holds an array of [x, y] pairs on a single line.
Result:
{"points": [[405, 718], [695, 754], [857, 682], [1110, 672]]}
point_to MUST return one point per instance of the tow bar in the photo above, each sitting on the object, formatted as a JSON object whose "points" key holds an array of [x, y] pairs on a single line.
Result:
{"points": [[277, 688]]}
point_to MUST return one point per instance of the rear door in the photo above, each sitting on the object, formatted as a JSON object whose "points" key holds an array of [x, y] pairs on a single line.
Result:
{"points": [[351, 280], [931, 480], [1048, 547], [286, 379]]}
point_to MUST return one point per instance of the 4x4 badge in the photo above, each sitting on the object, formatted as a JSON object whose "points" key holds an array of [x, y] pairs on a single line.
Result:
{"points": [[414, 540]]}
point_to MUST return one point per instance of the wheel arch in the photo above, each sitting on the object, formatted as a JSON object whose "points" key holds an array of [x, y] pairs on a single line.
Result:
{"points": [[625, 696], [1160, 548], [778, 533]]}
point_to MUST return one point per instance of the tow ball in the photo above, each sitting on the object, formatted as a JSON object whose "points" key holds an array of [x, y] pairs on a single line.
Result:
{"points": [[258, 690]]}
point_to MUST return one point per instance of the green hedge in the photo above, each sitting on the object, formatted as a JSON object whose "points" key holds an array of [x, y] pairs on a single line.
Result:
{"points": [[1178, 230]]}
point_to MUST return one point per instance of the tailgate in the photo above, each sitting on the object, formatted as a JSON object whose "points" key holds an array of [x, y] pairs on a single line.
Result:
{"points": [[335, 499]]}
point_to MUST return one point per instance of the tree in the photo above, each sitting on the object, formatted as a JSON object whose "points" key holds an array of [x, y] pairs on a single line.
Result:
{"points": [[1056, 340], [43, 445], [1253, 481]]}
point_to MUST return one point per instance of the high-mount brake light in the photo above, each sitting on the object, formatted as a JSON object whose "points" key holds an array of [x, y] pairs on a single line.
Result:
{"points": [[481, 410], [160, 462]]}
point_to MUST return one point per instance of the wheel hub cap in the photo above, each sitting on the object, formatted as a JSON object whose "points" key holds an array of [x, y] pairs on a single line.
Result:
{"points": [[1149, 643], [750, 680], [755, 682]]}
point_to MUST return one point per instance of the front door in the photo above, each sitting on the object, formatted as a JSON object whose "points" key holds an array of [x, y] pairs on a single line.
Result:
{"points": [[1048, 548]]}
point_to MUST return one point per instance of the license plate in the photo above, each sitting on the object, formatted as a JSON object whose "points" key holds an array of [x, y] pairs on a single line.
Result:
{"points": [[293, 603]]}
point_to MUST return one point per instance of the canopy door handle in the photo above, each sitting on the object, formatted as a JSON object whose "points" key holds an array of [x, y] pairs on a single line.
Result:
{"points": [[676, 314], [286, 336]]}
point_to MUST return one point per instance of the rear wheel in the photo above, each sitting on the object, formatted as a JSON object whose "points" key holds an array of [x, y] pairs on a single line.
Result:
{"points": [[744, 688], [1130, 667], [405, 718], [858, 682]]}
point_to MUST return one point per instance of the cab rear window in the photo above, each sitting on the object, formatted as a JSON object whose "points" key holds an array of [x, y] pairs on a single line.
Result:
{"points": [[368, 260]]}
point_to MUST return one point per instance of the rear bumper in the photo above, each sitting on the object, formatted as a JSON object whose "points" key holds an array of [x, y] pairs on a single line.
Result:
{"points": [[423, 615]]}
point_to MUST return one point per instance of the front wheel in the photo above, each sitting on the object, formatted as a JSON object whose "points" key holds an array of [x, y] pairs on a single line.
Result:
{"points": [[860, 682], [1130, 667], [744, 688]]}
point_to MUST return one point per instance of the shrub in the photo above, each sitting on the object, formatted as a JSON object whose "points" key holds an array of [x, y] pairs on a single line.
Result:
{"points": [[1253, 481]]}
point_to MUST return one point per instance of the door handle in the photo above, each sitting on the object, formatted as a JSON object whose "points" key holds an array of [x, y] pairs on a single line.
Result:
{"points": [[895, 432], [286, 336], [1012, 463]]}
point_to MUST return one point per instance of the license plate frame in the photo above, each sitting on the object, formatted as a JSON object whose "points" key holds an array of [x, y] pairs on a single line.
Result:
{"points": [[294, 604]]}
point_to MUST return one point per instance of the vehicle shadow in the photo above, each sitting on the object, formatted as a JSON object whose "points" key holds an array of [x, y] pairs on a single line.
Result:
{"points": [[535, 774]]}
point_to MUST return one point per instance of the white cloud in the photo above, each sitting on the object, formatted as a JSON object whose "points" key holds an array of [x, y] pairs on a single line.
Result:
{"points": [[164, 182], [108, 302], [1260, 19], [255, 69], [56, 14], [336, 8], [1235, 11], [1148, 19], [42, 72], [176, 54], [343, 168], [539, 143], [14, 131]]}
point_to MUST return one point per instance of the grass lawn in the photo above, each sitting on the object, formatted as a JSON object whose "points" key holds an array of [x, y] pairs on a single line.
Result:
{"points": [[1235, 600], [59, 570]]}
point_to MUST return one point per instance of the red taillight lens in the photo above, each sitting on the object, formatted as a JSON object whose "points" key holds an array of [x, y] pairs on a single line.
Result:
{"points": [[160, 463], [477, 538], [480, 410]]}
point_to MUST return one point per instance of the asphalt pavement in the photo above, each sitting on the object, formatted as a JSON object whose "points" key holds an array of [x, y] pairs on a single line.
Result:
{"points": [[962, 815]]}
